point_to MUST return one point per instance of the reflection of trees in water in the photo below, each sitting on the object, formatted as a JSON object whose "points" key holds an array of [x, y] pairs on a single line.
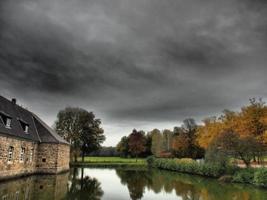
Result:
{"points": [[187, 187], [135, 181], [84, 188]]}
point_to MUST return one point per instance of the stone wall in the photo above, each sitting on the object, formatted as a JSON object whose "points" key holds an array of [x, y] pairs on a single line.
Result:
{"points": [[63, 157], [46, 157], [16, 167], [52, 158]]}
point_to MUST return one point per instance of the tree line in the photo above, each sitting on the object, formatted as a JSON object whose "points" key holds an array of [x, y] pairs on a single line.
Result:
{"points": [[180, 142], [234, 134]]}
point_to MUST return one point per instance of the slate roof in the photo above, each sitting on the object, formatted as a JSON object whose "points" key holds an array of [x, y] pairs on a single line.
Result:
{"points": [[38, 131]]}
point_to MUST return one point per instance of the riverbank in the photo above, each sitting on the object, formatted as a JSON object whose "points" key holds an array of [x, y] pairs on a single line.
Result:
{"points": [[257, 177], [110, 162]]}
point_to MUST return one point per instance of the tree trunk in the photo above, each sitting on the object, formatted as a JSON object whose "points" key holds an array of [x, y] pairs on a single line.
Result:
{"points": [[82, 178], [75, 157], [82, 156]]}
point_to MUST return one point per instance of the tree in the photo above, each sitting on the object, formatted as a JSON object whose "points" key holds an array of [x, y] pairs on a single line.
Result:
{"points": [[81, 129], [208, 132], [167, 140], [136, 143], [184, 142], [123, 146], [180, 145], [156, 145], [242, 148]]}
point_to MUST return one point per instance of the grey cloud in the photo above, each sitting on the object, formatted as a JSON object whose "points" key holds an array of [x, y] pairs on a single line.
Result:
{"points": [[136, 62]]}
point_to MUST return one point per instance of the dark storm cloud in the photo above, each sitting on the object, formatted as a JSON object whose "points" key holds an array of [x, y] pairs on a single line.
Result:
{"points": [[134, 61]]}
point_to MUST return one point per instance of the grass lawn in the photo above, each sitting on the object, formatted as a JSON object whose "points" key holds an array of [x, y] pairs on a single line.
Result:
{"points": [[111, 161]]}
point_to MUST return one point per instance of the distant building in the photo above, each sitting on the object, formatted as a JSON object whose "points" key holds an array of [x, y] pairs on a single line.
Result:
{"points": [[27, 144]]}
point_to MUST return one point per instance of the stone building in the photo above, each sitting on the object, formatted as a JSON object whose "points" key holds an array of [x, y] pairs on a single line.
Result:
{"points": [[27, 144]]}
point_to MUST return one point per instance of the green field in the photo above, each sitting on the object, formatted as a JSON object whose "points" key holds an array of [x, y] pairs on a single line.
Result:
{"points": [[110, 161]]}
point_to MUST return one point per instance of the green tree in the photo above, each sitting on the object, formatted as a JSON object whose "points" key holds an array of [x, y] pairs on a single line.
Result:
{"points": [[156, 145], [81, 129], [123, 146], [167, 140]]}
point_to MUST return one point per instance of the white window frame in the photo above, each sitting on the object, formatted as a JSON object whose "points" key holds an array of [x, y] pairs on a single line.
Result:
{"points": [[26, 130], [17, 195], [8, 122], [10, 154], [31, 155], [22, 154]]}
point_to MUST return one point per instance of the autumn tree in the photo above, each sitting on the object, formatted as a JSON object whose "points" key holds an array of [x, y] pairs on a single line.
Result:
{"points": [[250, 124], [184, 140], [180, 145], [137, 143], [242, 148], [208, 132]]}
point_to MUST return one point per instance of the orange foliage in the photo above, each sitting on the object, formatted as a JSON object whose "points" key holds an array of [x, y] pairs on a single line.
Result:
{"points": [[250, 121]]}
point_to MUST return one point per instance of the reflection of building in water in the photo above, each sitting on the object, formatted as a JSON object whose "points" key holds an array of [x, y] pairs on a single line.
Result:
{"points": [[39, 187], [27, 144]]}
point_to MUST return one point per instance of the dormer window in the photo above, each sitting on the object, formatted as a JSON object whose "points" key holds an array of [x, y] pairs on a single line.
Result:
{"points": [[6, 119], [8, 122], [26, 129], [24, 126]]}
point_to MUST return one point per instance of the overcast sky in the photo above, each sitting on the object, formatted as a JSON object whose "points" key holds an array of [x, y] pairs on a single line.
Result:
{"points": [[134, 63]]}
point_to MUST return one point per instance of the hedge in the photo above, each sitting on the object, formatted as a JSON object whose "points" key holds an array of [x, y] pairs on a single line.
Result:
{"points": [[256, 177]]}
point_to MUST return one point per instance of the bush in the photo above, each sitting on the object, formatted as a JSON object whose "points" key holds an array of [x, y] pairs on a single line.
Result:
{"points": [[260, 177], [187, 166], [244, 176], [150, 160], [229, 173], [226, 179]]}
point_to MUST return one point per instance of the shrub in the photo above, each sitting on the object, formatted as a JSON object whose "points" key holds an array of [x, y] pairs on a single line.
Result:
{"points": [[244, 176], [150, 160], [187, 166], [226, 178], [260, 177]]}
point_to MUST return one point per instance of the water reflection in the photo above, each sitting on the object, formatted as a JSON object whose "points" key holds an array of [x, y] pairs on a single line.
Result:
{"points": [[109, 184], [35, 188], [83, 187]]}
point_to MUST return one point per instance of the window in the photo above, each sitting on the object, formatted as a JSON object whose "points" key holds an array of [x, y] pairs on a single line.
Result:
{"points": [[22, 154], [8, 122], [4, 197], [31, 155], [26, 129], [44, 160], [24, 126], [6, 119], [10, 154], [17, 195]]}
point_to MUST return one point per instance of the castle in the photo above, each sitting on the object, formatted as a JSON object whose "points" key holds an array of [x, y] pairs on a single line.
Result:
{"points": [[27, 144]]}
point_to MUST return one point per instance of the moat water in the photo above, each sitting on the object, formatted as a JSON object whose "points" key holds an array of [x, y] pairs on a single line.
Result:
{"points": [[123, 184]]}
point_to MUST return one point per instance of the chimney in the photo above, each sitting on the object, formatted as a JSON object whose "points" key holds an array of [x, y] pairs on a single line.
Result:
{"points": [[14, 101]]}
